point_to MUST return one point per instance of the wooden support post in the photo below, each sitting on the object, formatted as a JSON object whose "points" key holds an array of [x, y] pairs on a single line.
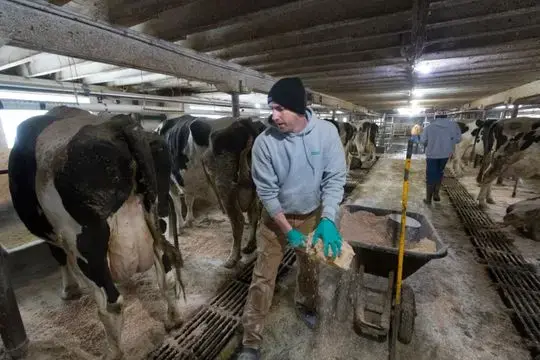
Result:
{"points": [[235, 104], [11, 326]]}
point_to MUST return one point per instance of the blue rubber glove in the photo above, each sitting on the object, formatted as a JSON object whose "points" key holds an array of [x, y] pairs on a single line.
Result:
{"points": [[331, 238], [296, 238]]}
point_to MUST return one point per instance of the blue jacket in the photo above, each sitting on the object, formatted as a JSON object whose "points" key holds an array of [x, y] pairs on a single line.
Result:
{"points": [[440, 138], [297, 172]]}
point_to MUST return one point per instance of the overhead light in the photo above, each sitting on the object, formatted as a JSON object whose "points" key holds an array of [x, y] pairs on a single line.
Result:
{"points": [[43, 97], [411, 111], [423, 68], [345, 119], [339, 112], [418, 92]]}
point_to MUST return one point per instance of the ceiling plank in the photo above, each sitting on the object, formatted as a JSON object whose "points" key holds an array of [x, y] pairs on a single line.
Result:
{"points": [[12, 56], [350, 30], [281, 20]]}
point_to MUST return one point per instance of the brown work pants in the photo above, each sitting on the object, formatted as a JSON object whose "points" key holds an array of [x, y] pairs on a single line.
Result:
{"points": [[271, 244]]}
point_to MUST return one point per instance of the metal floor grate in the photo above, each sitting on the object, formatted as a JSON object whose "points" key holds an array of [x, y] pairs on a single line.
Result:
{"points": [[209, 330], [517, 283]]}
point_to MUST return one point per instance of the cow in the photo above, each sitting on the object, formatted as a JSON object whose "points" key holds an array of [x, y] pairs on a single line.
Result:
{"points": [[525, 216], [364, 141], [509, 145], [346, 132], [471, 144], [210, 156], [96, 190], [227, 164], [188, 137]]}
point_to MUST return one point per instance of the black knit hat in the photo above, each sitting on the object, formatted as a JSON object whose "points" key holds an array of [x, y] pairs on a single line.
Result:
{"points": [[289, 93]]}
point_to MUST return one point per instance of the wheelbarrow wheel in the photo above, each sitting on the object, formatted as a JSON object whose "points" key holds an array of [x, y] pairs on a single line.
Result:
{"points": [[407, 315]]}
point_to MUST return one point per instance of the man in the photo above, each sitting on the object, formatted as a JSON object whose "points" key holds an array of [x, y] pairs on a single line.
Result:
{"points": [[298, 167], [416, 131], [439, 138]]}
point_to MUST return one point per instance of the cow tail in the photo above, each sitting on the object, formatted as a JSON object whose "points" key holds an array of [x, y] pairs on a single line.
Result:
{"points": [[179, 262], [146, 172]]}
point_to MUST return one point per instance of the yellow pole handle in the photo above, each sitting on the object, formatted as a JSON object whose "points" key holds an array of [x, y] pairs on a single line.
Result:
{"points": [[404, 198]]}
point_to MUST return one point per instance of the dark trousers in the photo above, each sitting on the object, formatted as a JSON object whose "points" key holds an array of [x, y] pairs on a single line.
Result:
{"points": [[435, 170]]}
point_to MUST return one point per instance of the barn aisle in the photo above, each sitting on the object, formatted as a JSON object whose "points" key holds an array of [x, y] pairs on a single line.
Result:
{"points": [[460, 316]]}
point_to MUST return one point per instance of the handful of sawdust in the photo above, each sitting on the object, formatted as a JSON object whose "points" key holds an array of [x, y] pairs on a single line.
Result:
{"points": [[316, 252]]}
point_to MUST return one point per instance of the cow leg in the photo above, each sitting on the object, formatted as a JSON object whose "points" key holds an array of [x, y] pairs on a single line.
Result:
{"points": [[190, 201], [489, 199], [70, 286], [92, 244], [173, 313], [514, 192], [237, 223], [254, 214], [500, 180]]}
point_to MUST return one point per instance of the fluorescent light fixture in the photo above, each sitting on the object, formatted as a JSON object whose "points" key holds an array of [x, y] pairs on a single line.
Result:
{"points": [[209, 116], [411, 111], [210, 108], [339, 112], [502, 107], [43, 97], [423, 68], [418, 92]]}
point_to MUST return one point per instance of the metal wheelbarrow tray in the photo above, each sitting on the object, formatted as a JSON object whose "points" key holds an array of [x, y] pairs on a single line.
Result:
{"points": [[371, 319]]}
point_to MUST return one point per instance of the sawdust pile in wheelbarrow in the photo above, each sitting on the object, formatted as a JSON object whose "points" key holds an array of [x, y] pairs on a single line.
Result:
{"points": [[366, 227]]}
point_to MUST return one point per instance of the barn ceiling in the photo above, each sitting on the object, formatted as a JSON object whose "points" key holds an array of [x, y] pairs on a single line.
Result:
{"points": [[372, 53]]}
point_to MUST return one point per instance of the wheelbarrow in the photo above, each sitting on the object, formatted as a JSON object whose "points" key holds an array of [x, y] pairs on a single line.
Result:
{"points": [[374, 307]]}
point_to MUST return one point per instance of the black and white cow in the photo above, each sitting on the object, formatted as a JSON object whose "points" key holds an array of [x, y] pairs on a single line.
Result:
{"points": [[188, 137], [95, 189], [364, 142], [195, 144], [227, 163], [510, 146], [346, 132], [471, 144]]}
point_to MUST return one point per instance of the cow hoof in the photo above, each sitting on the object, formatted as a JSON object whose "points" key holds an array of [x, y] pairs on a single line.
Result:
{"points": [[231, 262], [72, 292], [490, 201], [249, 248], [482, 205]]}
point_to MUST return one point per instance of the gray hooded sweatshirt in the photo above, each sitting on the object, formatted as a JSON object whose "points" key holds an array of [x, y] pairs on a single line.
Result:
{"points": [[440, 137], [296, 172]]}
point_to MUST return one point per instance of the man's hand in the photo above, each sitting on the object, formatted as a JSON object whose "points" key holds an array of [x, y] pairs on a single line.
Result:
{"points": [[296, 238], [327, 231]]}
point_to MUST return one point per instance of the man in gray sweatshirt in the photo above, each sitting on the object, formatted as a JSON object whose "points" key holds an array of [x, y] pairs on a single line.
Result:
{"points": [[298, 167], [440, 138]]}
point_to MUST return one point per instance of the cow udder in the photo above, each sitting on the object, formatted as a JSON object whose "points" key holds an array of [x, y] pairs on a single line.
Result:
{"points": [[131, 243]]}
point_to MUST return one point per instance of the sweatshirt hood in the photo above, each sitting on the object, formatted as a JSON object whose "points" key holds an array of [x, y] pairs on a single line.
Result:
{"points": [[299, 136], [442, 123]]}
